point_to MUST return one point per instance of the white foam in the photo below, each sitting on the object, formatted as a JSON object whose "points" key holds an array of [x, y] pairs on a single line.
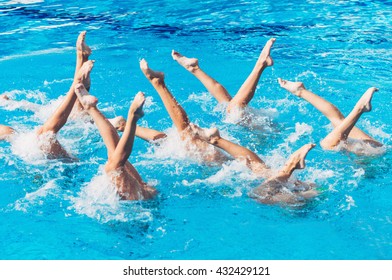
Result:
{"points": [[319, 175], [376, 130], [173, 148], [204, 99], [36, 197], [31, 100], [45, 112], [350, 202], [260, 119], [25, 105], [27, 147], [234, 174], [362, 148], [300, 130], [99, 200], [150, 106]]}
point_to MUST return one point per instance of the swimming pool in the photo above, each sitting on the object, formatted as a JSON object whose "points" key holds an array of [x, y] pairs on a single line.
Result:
{"points": [[59, 210]]}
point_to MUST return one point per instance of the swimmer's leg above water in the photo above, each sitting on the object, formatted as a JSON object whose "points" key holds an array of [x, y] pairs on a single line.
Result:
{"points": [[326, 108], [271, 191], [83, 68], [341, 132], [272, 188], [60, 116], [178, 114], [246, 91], [238, 152], [82, 53], [127, 180]]}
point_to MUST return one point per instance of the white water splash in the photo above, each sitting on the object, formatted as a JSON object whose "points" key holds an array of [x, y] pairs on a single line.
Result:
{"points": [[37, 197], [99, 200], [300, 130], [28, 100], [27, 147], [350, 202]]}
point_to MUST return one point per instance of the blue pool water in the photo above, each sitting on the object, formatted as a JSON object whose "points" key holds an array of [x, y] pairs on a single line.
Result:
{"points": [[58, 210]]}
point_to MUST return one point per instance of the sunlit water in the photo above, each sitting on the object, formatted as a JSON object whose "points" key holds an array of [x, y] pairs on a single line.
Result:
{"points": [[51, 209]]}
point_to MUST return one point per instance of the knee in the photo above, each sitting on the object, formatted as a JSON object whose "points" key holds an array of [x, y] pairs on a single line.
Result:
{"points": [[326, 144]]}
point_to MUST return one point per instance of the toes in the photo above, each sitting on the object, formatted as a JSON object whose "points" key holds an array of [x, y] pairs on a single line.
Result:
{"points": [[143, 64], [175, 54], [269, 44], [81, 36], [281, 82]]}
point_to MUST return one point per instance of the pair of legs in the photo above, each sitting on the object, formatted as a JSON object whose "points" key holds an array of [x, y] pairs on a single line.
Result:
{"points": [[60, 116], [344, 128], [179, 116], [53, 125], [202, 137], [246, 91], [271, 191], [125, 177]]}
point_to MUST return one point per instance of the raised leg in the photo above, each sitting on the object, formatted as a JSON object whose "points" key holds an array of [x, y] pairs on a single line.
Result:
{"points": [[270, 192], [248, 88], [124, 147], [82, 75], [144, 133], [213, 137], [105, 128], [341, 132], [82, 54], [176, 112], [179, 117], [296, 161], [325, 107], [6, 132], [192, 65], [60, 116]]}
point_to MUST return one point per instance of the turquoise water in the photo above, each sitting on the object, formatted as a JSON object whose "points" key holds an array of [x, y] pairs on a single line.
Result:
{"points": [[58, 210]]}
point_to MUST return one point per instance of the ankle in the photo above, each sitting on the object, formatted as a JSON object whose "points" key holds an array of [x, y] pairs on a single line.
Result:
{"points": [[214, 140], [157, 81], [300, 91], [194, 69]]}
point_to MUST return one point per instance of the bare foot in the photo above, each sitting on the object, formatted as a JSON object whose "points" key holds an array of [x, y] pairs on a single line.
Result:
{"points": [[190, 64], [210, 135], [265, 58], [83, 75], [137, 105], [4, 96], [6, 132], [297, 159], [293, 87], [118, 123], [364, 102], [88, 101], [150, 74], [81, 46]]}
